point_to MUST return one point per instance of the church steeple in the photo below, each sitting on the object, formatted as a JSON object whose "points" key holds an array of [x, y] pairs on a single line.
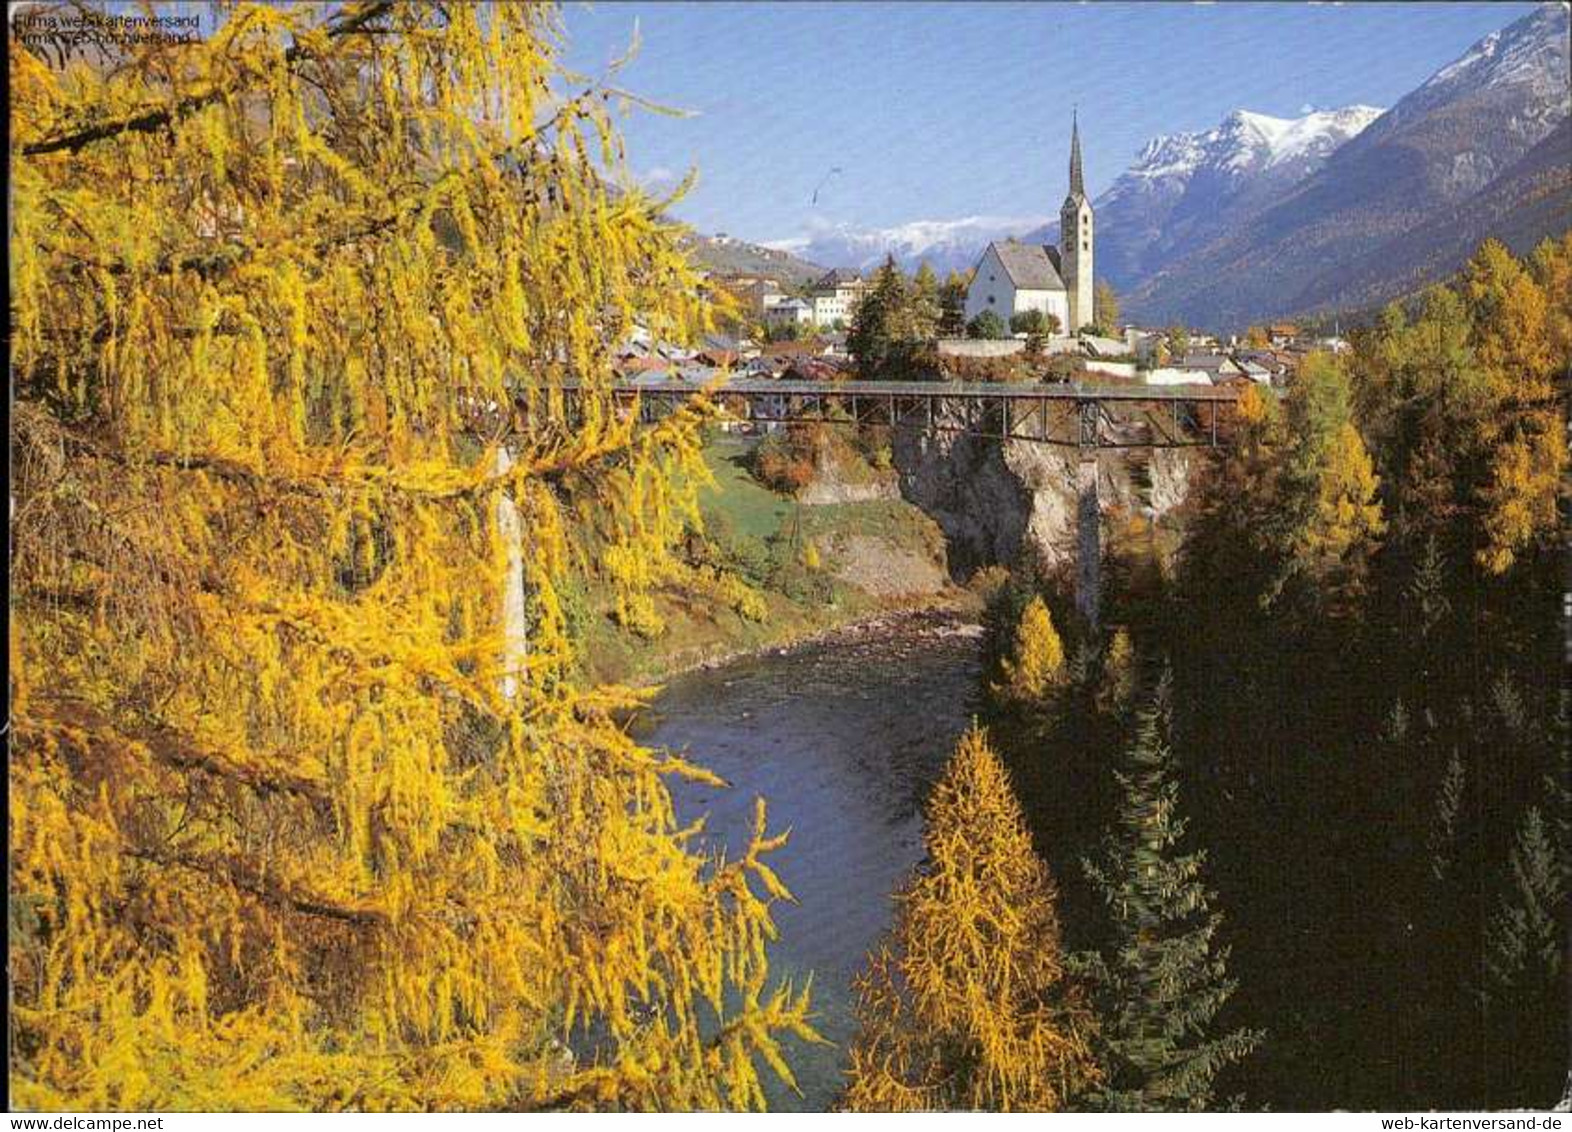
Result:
{"points": [[1077, 188], [1076, 240]]}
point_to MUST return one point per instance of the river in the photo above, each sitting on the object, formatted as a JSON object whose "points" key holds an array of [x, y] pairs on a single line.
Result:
{"points": [[842, 738]]}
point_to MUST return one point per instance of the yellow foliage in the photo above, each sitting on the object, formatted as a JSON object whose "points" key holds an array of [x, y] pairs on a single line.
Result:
{"points": [[295, 823], [1119, 673], [1036, 662], [967, 1007], [1347, 509], [1527, 477]]}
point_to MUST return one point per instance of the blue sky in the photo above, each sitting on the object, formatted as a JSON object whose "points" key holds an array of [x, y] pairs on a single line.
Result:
{"points": [[943, 110]]}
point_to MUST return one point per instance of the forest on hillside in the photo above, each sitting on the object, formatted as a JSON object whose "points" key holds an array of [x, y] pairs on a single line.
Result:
{"points": [[1302, 796]]}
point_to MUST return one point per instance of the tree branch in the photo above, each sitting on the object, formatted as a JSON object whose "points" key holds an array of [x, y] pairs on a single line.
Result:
{"points": [[243, 877], [150, 121]]}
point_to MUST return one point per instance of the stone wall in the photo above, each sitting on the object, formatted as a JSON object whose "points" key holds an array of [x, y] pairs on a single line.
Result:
{"points": [[980, 347]]}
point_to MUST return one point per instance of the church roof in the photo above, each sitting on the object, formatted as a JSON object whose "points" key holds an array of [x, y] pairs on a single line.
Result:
{"points": [[1029, 266], [1077, 185]]}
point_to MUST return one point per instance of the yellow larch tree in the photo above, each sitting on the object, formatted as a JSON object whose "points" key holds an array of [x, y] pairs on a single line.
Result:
{"points": [[303, 813], [1036, 660], [1521, 315], [1334, 517], [967, 1007]]}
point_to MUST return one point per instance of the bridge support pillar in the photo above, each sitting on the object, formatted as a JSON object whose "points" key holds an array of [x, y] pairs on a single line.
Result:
{"points": [[1088, 540]]}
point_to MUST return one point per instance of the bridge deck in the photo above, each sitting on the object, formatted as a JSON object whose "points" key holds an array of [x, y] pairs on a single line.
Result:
{"points": [[980, 390]]}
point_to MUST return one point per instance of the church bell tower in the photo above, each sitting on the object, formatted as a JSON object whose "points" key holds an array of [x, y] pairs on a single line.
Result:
{"points": [[1076, 239]]}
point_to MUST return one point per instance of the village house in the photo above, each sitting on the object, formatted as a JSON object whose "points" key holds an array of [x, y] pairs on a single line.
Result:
{"points": [[835, 296], [792, 313], [1213, 365]]}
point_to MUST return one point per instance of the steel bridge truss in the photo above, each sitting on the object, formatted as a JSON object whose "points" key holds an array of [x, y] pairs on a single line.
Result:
{"points": [[1085, 417]]}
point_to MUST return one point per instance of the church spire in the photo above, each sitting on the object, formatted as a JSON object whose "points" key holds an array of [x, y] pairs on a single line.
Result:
{"points": [[1077, 189]]}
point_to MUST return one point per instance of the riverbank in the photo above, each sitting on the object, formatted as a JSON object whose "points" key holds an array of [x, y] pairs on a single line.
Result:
{"points": [[954, 611], [818, 570]]}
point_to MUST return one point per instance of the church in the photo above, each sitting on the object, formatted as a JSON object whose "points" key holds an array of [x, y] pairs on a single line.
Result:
{"points": [[1012, 277]]}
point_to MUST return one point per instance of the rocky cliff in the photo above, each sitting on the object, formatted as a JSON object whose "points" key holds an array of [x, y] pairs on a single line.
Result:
{"points": [[998, 501]]}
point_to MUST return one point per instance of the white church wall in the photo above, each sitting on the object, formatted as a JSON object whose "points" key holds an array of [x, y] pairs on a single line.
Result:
{"points": [[990, 290], [1049, 302]]}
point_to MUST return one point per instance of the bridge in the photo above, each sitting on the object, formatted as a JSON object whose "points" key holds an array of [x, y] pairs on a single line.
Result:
{"points": [[1089, 417]]}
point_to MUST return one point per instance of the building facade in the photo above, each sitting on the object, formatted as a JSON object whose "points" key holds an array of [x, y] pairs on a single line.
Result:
{"points": [[835, 297]]}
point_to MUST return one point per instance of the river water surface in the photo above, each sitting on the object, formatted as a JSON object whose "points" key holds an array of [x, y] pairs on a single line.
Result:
{"points": [[843, 739]]}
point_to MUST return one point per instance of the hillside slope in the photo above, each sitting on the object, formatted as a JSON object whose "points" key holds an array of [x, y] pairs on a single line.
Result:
{"points": [[1450, 140]]}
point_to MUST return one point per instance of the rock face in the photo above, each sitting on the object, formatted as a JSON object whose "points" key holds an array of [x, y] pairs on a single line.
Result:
{"points": [[829, 490], [999, 500], [881, 567]]}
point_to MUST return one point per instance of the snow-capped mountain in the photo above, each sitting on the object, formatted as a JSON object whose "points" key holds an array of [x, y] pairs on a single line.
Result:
{"points": [[1186, 189], [1247, 142], [1529, 56], [945, 244], [1341, 235]]}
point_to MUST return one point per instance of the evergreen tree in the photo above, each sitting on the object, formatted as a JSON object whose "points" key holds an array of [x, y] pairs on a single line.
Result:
{"points": [[924, 308], [1524, 944], [967, 1006], [952, 306], [1427, 601], [1162, 980], [880, 327], [1524, 991], [1442, 837]]}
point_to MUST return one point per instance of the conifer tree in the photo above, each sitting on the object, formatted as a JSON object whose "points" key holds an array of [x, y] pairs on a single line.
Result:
{"points": [[882, 325], [1332, 514], [1105, 302], [307, 809], [952, 306], [1525, 945], [925, 310], [1036, 660], [967, 1006], [1163, 978], [1119, 674], [1426, 596], [1442, 837], [1524, 990]]}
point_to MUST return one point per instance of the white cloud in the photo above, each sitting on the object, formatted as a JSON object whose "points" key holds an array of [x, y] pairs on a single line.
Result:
{"points": [[659, 176]]}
